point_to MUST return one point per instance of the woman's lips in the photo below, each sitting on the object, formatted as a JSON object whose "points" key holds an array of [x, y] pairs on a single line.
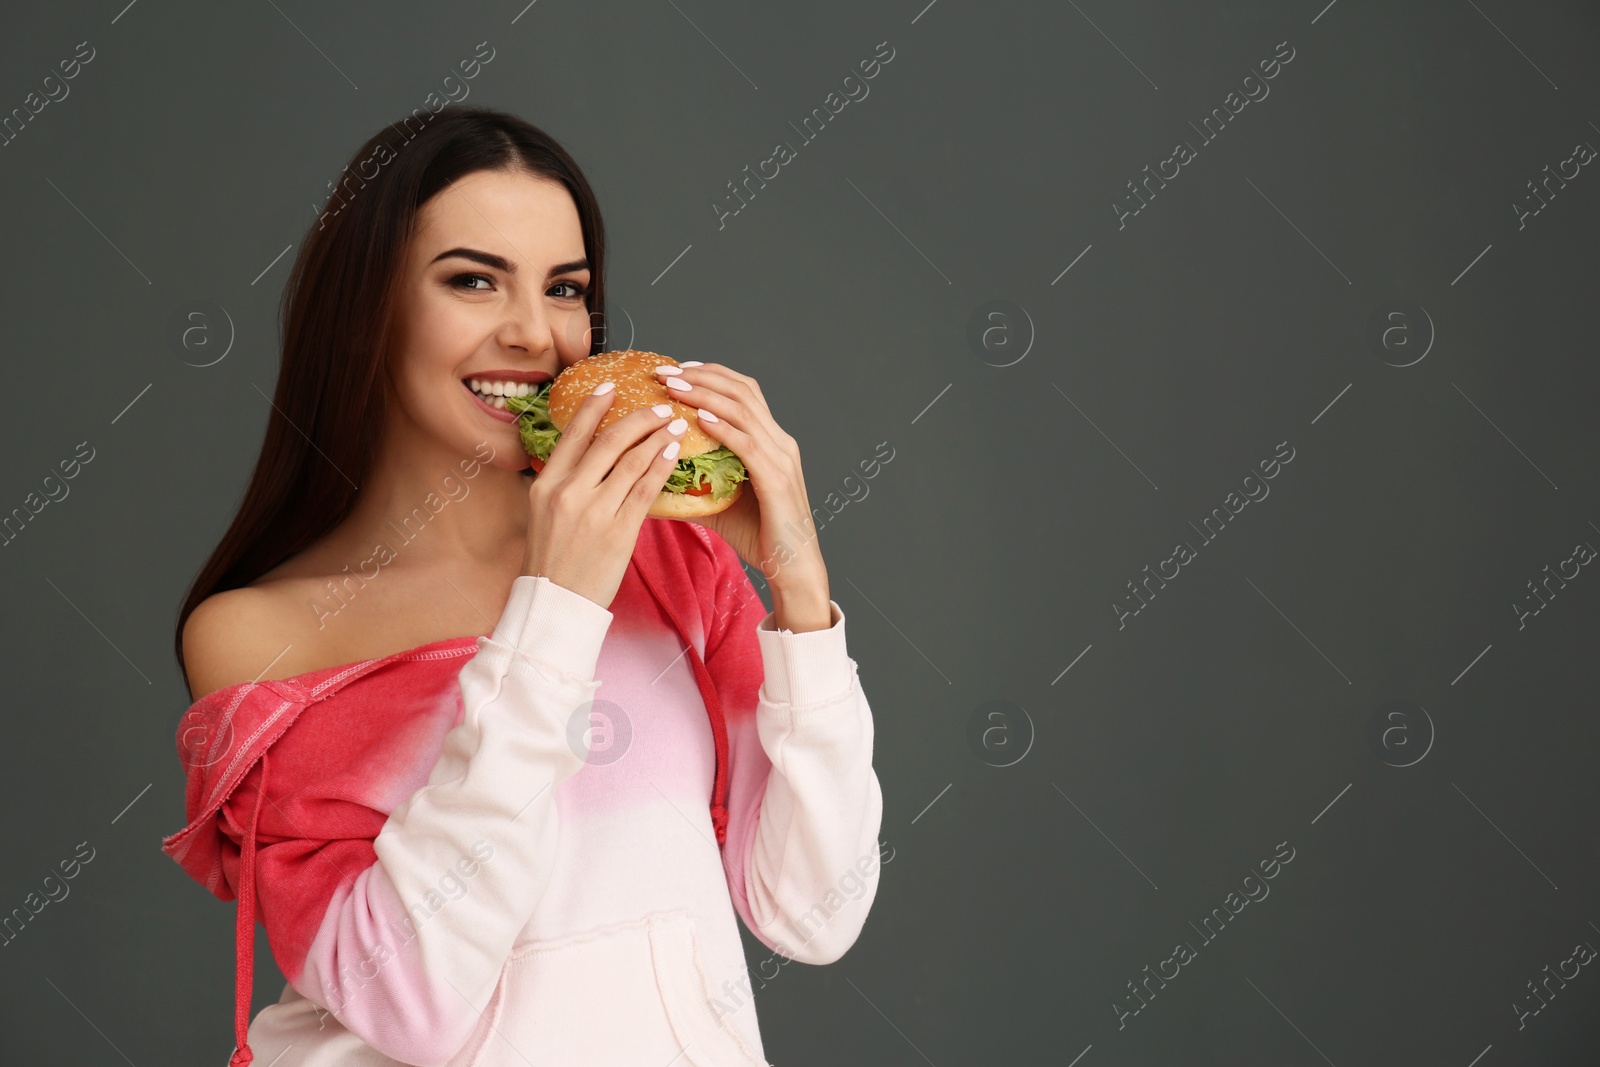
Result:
{"points": [[490, 409]]}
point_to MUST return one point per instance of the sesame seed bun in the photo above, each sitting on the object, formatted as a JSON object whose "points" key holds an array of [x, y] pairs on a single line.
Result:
{"points": [[638, 387]]}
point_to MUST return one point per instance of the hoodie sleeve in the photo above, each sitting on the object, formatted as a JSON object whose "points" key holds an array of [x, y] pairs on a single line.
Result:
{"points": [[804, 804], [401, 955]]}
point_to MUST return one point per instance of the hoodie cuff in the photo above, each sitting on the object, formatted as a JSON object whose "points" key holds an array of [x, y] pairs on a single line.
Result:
{"points": [[804, 668], [551, 624]]}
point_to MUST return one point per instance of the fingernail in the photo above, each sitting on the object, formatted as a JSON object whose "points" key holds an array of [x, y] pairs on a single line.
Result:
{"points": [[671, 451], [668, 369], [679, 384], [691, 363], [662, 409], [604, 387], [677, 426], [706, 416]]}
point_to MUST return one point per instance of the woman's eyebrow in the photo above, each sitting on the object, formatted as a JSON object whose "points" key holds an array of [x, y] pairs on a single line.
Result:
{"points": [[565, 268], [489, 259]]}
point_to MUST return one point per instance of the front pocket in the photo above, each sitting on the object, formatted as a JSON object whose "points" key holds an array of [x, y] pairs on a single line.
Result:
{"points": [[627, 993], [707, 1039]]}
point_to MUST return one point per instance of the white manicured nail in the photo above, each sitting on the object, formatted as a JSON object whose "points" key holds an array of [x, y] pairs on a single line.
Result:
{"points": [[671, 451], [662, 409], [668, 369], [706, 416], [691, 363], [679, 384], [677, 426], [604, 387]]}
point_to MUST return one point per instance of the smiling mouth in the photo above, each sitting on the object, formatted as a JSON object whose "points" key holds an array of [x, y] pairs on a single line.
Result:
{"points": [[494, 393]]}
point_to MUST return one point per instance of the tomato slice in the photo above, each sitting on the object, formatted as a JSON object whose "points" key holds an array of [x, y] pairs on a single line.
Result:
{"points": [[701, 491], [536, 463]]}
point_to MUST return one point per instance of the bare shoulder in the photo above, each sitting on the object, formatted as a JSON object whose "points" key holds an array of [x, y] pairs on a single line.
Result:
{"points": [[245, 635]]}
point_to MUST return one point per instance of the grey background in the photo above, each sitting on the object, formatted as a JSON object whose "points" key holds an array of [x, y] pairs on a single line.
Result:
{"points": [[1233, 713]]}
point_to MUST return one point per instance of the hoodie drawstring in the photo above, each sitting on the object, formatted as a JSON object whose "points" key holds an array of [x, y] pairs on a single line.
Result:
{"points": [[245, 933], [708, 693]]}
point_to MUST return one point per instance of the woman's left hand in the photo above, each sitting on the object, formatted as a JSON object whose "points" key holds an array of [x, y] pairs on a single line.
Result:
{"points": [[770, 525]]}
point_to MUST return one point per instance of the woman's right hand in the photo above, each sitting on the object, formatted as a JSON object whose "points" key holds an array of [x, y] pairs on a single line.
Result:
{"points": [[584, 522]]}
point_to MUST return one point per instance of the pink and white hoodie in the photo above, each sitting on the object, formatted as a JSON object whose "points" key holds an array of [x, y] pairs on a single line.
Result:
{"points": [[529, 848]]}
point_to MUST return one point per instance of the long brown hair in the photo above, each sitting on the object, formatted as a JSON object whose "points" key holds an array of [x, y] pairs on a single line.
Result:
{"points": [[338, 313]]}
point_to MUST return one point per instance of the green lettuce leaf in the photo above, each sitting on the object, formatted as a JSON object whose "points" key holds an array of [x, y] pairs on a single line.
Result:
{"points": [[720, 466], [538, 433]]}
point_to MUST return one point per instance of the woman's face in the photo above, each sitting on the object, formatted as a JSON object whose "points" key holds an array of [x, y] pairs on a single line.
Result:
{"points": [[495, 291]]}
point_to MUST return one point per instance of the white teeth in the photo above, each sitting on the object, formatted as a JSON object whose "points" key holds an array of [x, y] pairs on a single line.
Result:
{"points": [[490, 390], [500, 402]]}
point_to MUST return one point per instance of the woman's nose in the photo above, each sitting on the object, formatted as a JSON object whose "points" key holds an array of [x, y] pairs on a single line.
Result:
{"points": [[528, 327]]}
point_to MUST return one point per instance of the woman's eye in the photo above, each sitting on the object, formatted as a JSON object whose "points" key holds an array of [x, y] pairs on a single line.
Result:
{"points": [[577, 290], [459, 279]]}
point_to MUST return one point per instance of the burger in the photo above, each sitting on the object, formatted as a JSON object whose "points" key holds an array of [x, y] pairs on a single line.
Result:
{"points": [[708, 476]]}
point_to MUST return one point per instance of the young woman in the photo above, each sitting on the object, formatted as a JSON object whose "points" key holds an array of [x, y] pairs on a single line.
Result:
{"points": [[494, 757]]}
